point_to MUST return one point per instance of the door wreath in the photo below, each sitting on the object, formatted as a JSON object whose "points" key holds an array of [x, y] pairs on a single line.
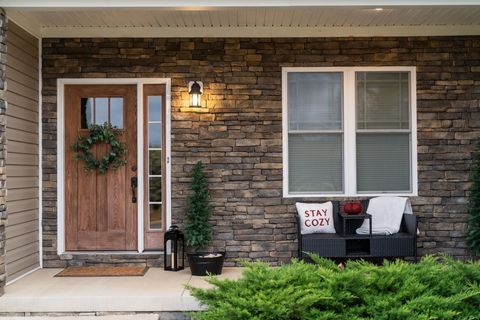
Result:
{"points": [[115, 156]]}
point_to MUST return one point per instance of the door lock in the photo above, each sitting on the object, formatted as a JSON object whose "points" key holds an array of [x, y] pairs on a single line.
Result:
{"points": [[134, 184]]}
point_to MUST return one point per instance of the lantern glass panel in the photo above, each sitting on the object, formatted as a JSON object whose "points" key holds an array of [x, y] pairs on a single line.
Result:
{"points": [[195, 99], [169, 254], [180, 254]]}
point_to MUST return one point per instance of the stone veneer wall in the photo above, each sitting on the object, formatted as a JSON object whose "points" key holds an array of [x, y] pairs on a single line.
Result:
{"points": [[239, 135], [3, 107]]}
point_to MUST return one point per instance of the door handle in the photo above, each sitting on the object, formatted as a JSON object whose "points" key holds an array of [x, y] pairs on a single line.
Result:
{"points": [[134, 184]]}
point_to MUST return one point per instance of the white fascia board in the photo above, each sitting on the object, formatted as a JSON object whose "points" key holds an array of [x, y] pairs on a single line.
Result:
{"points": [[221, 3], [258, 32]]}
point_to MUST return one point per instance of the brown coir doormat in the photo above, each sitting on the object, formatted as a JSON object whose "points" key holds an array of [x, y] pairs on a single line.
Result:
{"points": [[101, 271]]}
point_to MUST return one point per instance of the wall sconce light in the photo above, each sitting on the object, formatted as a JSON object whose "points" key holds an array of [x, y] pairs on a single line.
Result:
{"points": [[195, 90]]}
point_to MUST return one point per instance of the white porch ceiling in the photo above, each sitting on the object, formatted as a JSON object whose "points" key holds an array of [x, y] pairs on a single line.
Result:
{"points": [[265, 21]]}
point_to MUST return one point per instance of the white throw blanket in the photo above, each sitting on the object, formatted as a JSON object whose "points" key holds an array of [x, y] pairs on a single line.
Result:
{"points": [[387, 213]]}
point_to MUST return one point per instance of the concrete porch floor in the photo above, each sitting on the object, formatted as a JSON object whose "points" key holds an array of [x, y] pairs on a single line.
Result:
{"points": [[156, 291]]}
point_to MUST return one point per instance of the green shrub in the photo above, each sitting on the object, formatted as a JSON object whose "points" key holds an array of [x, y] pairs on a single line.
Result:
{"points": [[473, 231], [435, 288]]}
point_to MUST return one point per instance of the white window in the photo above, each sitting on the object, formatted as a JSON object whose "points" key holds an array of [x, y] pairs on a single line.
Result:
{"points": [[349, 131]]}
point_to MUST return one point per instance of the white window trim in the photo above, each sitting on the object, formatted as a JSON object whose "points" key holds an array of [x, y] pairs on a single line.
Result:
{"points": [[349, 145], [139, 82]]}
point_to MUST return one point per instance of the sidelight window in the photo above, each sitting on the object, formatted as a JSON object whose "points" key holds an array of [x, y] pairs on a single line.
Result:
{"points": [[155, 147]]}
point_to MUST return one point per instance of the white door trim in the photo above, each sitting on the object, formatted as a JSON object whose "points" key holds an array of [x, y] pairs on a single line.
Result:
{"points": [[139, 82]]}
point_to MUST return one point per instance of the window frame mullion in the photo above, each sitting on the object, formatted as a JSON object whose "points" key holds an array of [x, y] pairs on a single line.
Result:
{"points": [[349, 138]]}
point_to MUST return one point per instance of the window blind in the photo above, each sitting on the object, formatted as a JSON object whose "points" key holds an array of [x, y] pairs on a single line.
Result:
{"points": [[315, 103], [315, 100], [315, 162], [382, 100], [383, 162]]}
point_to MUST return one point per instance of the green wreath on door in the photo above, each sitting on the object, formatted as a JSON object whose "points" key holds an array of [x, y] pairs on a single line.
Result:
{"points": [[114, 158]]}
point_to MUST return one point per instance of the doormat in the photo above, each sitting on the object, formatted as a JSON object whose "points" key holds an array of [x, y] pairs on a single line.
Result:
{"points": [[103, 271]]}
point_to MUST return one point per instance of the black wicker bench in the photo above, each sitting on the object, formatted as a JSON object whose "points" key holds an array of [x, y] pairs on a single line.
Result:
{"points": [[339, 246]]}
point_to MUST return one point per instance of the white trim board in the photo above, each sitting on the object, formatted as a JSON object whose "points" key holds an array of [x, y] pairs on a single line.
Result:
{"points": [[40, 155], [139, 82], [349, 131]]}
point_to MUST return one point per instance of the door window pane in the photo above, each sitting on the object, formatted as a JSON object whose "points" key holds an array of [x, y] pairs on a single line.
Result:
{"points": [[86, 112], [155, 162], [315, 100], [101, 111], [382, 100], [116, 112], [155, 135], [155, 108], [315, 163], [155, 216], [155, 189], [383, 162]]}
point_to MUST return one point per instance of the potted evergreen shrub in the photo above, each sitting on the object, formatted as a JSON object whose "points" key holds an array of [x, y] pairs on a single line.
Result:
{"points": [[198, 230]]}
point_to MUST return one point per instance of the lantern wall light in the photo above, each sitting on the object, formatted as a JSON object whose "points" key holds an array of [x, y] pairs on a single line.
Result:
{"points": [[195, 90]]}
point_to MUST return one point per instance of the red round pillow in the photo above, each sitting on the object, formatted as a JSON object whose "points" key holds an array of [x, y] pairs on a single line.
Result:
{"points": [[353, 208]]}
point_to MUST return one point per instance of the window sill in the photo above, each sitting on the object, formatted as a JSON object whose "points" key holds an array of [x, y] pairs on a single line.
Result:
{"points": [[358, 195]]}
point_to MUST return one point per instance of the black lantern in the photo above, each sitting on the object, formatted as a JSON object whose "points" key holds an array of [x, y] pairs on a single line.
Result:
{"points": [[173, 249], [195, 90]]}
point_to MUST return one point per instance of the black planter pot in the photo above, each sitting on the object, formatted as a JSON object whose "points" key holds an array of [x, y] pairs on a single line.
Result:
{"points": [[201, 264]]}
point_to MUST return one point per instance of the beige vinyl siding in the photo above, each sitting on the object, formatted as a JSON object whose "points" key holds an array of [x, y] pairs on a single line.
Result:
{"points": [[22, 232]]}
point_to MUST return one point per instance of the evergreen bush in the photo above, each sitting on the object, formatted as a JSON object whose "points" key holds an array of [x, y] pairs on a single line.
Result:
{"points": [[435, 288], [198, 231], [473, 231]]}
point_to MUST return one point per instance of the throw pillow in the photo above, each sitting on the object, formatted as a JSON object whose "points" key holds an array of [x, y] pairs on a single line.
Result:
{"points": [[316, 217]]}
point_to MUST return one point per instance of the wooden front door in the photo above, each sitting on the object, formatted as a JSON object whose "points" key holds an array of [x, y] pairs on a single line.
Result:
{"points": [[100, 212]]}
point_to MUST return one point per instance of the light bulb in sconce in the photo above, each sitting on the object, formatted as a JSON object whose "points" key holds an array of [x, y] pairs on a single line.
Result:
{"points": [[195, 90]]}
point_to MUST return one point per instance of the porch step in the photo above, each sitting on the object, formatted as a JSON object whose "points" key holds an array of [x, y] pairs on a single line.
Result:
{"points": [[150, 259]]}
